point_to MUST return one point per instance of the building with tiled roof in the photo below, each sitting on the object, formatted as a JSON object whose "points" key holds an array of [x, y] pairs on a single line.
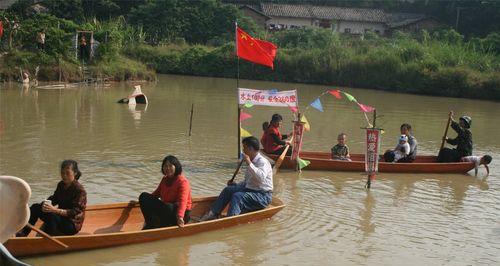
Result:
{"points": [[339, 19]]}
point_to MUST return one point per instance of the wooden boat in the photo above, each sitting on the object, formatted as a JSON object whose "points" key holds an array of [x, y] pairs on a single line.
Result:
{"points": [[117, 224], [423, 164]]}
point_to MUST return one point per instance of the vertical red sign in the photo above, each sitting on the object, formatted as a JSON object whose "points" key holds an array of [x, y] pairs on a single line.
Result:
{"points": [[298, 130], [372, 149]]}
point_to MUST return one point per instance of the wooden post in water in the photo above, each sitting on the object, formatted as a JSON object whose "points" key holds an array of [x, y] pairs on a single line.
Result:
{"points": [[191, 119]]}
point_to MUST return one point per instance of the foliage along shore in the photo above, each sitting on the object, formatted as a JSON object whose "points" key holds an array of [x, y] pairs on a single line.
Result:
{"points": [[172, 37], [442, 64]]}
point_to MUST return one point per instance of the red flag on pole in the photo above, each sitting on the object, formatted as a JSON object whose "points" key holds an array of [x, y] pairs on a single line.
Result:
{"points": [[254, 50]]}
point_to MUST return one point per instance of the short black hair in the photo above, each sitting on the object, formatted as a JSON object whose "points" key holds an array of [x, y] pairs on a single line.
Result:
{"points": [[406, 125], [276, 118], [265, 125], [74, 167], [173, 161], [487, 159], [251, 142]]}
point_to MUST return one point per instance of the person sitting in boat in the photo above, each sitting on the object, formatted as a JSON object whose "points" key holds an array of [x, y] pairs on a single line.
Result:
{"points": [[170, 204], [341, 151], [254, 193], [272, 140], [412, 141], [478, 160], [463, 141], [63, 212], [402, 148]]}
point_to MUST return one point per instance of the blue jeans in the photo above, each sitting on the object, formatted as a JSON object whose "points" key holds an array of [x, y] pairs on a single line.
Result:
{"points": [[241, 200]]}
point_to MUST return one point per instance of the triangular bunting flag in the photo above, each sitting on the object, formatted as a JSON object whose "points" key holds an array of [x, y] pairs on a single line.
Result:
{"points": [[335, 93], [350, 97], [307, 126], [248, 105], [294, 109], [245, 133], [317, 104], [244, 116], [302, 163], [365, 108]]}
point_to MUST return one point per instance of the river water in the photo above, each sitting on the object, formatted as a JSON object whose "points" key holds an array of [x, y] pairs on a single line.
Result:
{"points": [[330, 219]]}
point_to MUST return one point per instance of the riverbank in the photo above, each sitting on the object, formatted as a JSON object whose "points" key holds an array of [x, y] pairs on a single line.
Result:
{"points": [[120, 68], [435, 68]]}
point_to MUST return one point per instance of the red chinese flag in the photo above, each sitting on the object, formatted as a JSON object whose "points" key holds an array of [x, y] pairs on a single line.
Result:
{"points": [[1, 29], [255, 50]]}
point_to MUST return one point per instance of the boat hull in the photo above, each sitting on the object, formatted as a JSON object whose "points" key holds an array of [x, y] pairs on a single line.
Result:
{"points": [[423, 164], [120, 224]]}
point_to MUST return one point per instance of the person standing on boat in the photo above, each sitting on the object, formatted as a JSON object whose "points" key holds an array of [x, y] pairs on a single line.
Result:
{"points": [[170, 204], [412, 141], [254, 193], [272, 140], [63, 212], [463, 141]]}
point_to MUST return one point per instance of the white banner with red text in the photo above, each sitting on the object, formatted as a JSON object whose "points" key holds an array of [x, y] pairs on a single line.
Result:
{"points": [[268, 97]]}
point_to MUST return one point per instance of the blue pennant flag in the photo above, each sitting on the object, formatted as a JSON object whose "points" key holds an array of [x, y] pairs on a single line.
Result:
{"points": [[317, 104], [273, 91]]}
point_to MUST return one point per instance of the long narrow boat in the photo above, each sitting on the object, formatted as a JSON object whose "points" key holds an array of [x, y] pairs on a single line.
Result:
{"points": [[423, 164], [117, 224]]}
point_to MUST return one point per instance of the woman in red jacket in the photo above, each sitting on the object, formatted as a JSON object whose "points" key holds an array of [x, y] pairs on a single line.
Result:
{"points": [[272, 140], [170, 204]]}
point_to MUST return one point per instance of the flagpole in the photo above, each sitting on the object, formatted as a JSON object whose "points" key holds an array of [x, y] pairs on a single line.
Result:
{"points": [[237, 84]]}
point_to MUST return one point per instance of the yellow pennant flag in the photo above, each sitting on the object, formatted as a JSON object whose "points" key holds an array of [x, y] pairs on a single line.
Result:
{"points": [[245, 133], [307, 126]]}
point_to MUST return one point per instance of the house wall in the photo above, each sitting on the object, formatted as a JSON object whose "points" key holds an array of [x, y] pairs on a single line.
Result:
{"points": [[4, 4], [426, 24], [289, 22], [357, 27]]}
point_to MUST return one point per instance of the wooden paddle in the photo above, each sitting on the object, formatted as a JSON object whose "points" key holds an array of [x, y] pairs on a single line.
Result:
{"points": [[47, 236], [281, 158], [235, 172], [446, 130]]}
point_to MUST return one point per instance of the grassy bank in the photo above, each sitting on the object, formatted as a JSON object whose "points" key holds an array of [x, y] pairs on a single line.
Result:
{"points": [[442, 64], [18, 50], [60, 69]]}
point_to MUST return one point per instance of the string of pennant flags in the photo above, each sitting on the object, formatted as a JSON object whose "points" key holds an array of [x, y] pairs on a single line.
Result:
{"points": [[316, 104]]}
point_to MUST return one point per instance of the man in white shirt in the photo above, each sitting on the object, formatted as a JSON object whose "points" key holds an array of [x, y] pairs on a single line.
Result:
{"points": [[254, 193]]}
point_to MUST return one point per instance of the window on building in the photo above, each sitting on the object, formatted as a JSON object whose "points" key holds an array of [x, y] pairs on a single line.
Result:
{"points": [[347, 30]]}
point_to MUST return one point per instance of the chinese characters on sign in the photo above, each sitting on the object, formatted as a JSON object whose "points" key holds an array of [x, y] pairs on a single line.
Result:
{"points": [[298, 130], [268, 97], [372, 149]]}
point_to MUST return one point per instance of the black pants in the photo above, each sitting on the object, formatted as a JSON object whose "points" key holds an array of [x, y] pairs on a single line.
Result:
{"points": [[280, 151], [53, 224], [447, 155], [157, 213], [84, 53]]}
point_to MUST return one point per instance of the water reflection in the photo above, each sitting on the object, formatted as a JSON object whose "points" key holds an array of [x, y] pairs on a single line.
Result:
{"points": [[329, 216], [137, 111], [366, 224]]}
